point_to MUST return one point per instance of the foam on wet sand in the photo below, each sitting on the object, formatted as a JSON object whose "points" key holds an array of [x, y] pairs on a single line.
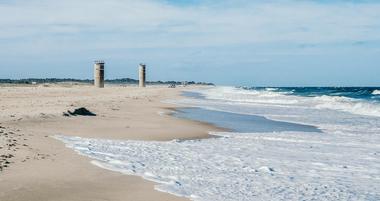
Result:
{"points": [[262, 166]]}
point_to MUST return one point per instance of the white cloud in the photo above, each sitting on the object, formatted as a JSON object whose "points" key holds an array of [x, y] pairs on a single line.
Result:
{"points": [[147, 23]]}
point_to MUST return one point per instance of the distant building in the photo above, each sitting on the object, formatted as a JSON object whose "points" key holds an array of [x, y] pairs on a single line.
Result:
{"points": [[142, 75], [99, 74]]}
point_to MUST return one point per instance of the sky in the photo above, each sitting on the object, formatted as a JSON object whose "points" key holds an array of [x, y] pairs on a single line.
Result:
{"points": [[227, 42]]}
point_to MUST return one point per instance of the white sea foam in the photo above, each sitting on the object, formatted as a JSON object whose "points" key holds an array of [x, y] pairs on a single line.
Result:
{"points": [[333, 114], [265, 97], [271, 89], [260, 166], [348, 105], [248, 96], [376, 92]]}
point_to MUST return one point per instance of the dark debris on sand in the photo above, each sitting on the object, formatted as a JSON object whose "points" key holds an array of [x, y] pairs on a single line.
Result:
{"points": [[79, 112], [11, 141], [8, 143]]}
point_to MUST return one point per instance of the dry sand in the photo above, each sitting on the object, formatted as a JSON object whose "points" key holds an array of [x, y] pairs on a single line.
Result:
{"points": [[36, 167]]}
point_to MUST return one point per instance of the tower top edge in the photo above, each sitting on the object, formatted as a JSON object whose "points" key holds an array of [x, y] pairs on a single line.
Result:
{"points": [[99, 62]]}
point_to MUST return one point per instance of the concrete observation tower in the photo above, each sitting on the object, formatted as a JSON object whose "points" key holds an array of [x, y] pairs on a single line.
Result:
{"points": [[142, 75], [99, 74]]}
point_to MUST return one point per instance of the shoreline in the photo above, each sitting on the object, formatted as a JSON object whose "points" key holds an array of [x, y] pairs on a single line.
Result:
{"points": [[262, 158], [215, 127], [45, 169]]}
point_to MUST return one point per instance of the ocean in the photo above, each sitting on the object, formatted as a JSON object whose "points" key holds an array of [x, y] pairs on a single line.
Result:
{"points": [[371, 94], [279, 144]]}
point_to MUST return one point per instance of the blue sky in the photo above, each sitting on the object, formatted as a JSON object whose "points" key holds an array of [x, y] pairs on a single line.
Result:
{"points": [[240, 42]]}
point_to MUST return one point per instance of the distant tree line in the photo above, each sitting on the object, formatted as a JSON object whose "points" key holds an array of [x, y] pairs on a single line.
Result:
{"points": [[41, 81], [111, 81]]}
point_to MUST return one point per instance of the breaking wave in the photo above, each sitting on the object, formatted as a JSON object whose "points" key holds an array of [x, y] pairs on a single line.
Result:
{"points": [[376, 92], [288, 99]]}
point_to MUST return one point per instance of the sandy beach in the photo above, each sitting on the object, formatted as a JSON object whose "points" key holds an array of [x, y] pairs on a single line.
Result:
{"points": [[37, 167]]}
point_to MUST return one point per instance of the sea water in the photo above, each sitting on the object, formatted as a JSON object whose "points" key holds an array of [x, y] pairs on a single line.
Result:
{"points": [[241, 123], [335, 157]]}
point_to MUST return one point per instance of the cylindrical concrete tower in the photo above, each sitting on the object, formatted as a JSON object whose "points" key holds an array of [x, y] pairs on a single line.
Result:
{"points": [[142, 75], [99, 74]]}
